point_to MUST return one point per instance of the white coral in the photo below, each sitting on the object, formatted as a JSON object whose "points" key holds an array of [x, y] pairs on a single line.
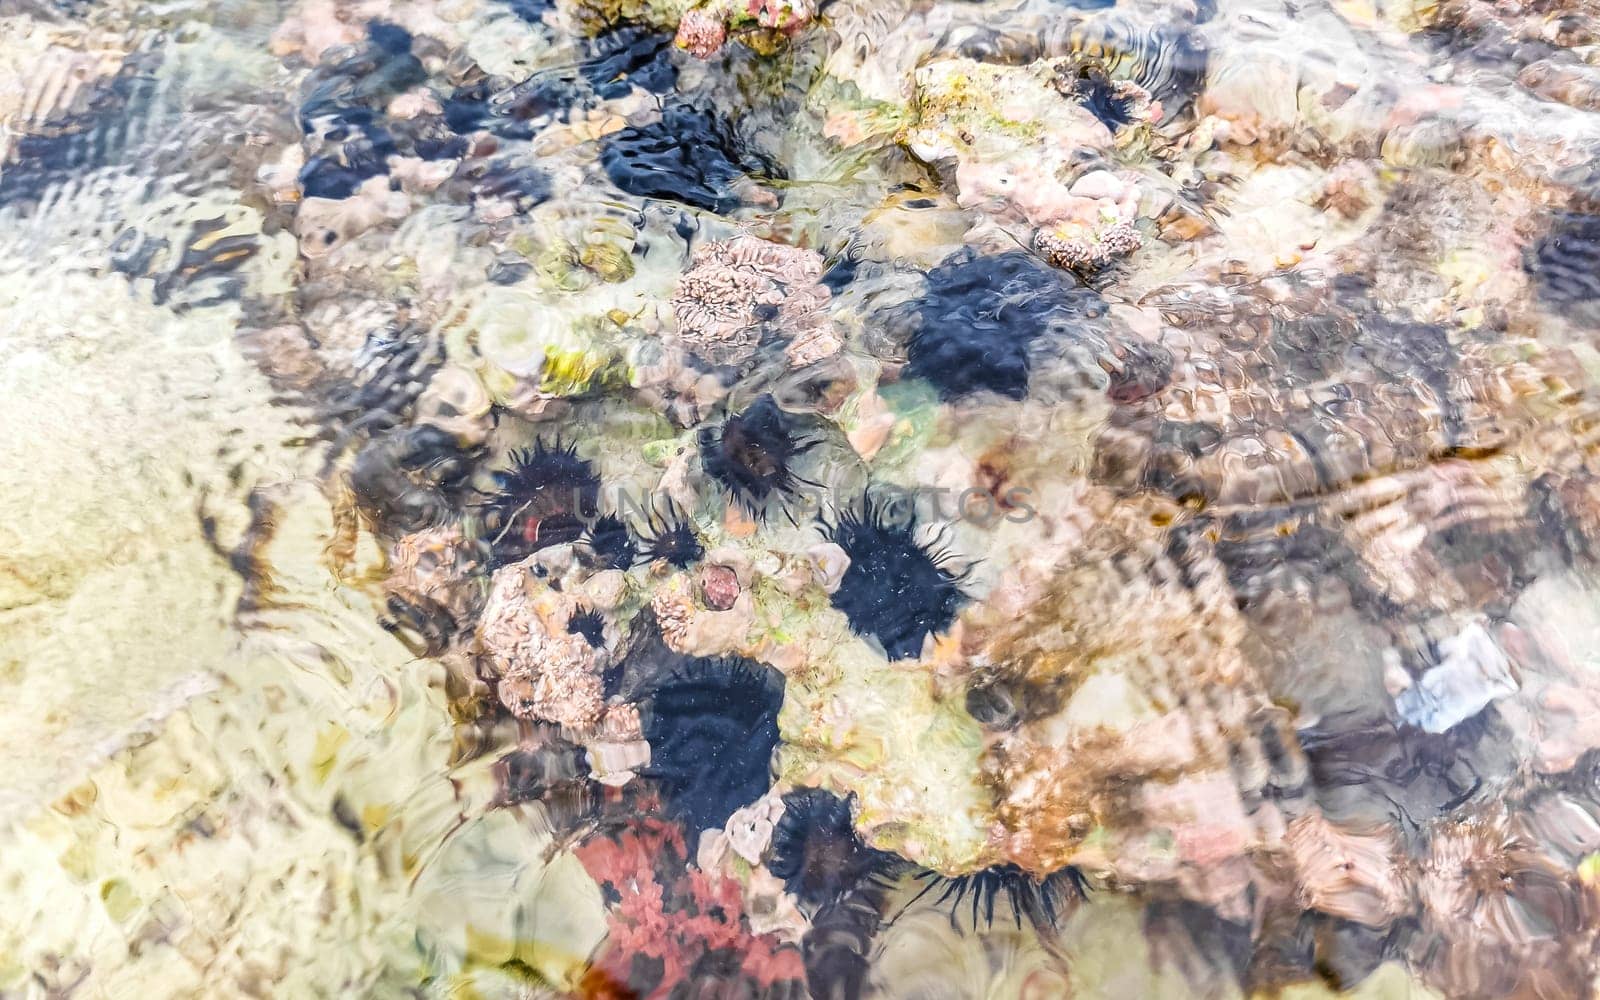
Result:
{"points": [[546, 672], [739, 289]]}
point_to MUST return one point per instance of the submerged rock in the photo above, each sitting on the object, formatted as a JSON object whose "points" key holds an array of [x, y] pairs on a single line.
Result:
{"points": [[545, 668]]}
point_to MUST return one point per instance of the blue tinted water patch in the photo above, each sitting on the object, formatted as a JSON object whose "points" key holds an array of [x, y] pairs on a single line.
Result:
{"points": [[841, 273], [525, 187], [628, 57], [514, 111], [345, 109], [1565, 262], [363, 82]]}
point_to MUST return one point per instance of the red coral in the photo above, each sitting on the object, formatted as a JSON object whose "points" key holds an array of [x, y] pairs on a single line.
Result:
{"points": [[672, 915]]}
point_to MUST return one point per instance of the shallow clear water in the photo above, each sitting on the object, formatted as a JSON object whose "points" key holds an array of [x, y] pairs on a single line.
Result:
{"points": [[518, 499]]}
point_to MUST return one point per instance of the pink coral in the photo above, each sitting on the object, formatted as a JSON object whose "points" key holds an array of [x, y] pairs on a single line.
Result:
{"points": [[701, 32], [675, 914], [788, 16], [739, 290]]}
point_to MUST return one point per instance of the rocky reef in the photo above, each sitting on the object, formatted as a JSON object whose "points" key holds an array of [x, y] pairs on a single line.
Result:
{"points": [[1014, 498]]}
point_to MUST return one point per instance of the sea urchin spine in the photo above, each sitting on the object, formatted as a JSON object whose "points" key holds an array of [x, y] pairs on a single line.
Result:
{"points": [[1041, 900], [672, 537]]}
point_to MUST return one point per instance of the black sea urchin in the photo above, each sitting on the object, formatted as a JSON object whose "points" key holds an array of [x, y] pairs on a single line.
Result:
{"points": [[816, 852], [612, 545], [1098, 95], [541, 500], [1041, 900], [590, 624], [752, 455], [896, 589], [712, 726], [688, 155], [976, 325], [671, 537], [1565, 263]]}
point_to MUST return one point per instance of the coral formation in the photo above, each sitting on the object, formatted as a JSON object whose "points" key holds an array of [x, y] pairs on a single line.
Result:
{"points": [[676, 931], [741, 291], [545, 668]]}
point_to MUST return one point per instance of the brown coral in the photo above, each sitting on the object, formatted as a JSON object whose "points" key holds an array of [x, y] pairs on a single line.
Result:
{"points": [[1139, 731], [743, 289], [1093, 253], [1350, 874], [545, 670]]}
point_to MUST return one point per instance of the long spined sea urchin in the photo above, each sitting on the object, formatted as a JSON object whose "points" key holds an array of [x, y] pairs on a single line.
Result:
{"points": [[897, 589]]}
